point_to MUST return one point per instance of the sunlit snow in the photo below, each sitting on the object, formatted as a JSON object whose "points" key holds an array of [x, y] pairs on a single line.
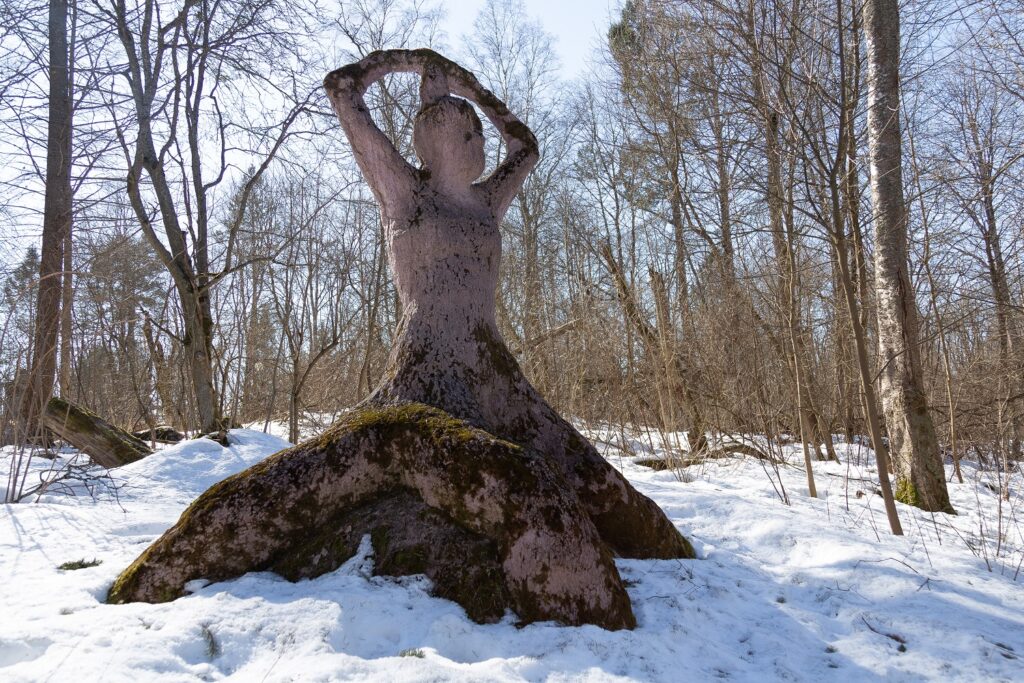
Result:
{"points": [[816, 590]]}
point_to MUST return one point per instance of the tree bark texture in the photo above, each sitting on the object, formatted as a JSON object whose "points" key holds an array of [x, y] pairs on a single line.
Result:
{"points": [[56, 221], [920, 476]]}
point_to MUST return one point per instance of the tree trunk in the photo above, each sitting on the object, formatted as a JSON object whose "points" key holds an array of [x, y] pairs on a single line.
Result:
{"points": [[680, 377], [947, 366], [56, 222], [870, 402], [454, 426], [293, 415], [784, 241], [920, 476], [198, 347], [163, 378], [1006, 319], [66, 303]]}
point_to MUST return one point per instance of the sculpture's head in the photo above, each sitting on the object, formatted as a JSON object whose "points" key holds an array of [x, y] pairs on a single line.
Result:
{"points": [[449, 139]]}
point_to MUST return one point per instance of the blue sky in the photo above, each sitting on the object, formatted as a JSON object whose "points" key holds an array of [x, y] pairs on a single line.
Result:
{"points": [[577, 25]]}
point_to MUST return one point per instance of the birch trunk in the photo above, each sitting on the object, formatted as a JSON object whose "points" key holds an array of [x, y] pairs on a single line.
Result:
{"points": [[920, 476]]}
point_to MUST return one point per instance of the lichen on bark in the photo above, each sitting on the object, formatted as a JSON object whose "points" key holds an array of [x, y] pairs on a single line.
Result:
{"points": [[906, 492]]}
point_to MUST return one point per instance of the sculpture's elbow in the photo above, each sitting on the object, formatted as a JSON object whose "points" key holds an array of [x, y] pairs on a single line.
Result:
{"points": [[522, 134], [530, 154], [345, 79], [533, 154]]}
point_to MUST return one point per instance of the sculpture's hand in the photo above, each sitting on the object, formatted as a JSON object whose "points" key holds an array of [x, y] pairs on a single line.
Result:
{"points": [[440, 76], [523, 150], [433, 85]]}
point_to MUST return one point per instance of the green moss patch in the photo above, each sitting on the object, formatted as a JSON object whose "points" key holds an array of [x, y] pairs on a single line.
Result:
{"points": [[79, 564], [906, 492]]}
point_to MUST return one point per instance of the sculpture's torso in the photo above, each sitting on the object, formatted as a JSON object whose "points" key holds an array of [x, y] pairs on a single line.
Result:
{"points": [[444, 253]]}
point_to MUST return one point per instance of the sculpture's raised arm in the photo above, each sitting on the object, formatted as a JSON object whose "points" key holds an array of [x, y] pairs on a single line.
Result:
{"points": [[523, 152], [386, 169], [390, 176]]}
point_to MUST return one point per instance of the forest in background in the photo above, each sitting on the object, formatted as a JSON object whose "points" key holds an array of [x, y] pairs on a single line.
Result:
{"points": [[230, 267]]}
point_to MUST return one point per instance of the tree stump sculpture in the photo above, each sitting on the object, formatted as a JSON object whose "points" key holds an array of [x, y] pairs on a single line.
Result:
{"points": [[455, 466]]}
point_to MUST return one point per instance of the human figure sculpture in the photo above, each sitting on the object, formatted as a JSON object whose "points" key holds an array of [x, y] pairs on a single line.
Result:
{"points": [[455, 466]]}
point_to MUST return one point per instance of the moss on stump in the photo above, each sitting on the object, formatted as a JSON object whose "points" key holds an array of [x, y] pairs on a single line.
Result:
{"points": [[907, 493], [494, 525]]}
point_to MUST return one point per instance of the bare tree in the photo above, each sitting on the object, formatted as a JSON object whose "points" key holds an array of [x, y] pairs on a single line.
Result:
{"points": [[920, 477], [517, 56], [307, 283], [56, 219], [975, 164], [174, 67]]}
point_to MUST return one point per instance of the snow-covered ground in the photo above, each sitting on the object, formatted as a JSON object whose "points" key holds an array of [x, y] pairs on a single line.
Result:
{"points": [[814, 590]]}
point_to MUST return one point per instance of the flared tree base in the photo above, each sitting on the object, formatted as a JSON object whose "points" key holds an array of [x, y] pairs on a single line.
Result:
{"points": [[495, 525]]}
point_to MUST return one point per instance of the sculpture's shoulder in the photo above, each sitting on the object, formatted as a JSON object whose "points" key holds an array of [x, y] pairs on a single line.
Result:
{"points": [[398, 200]]}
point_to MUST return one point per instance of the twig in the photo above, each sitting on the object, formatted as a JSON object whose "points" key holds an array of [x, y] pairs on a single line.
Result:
{"points": [[891, 636]]}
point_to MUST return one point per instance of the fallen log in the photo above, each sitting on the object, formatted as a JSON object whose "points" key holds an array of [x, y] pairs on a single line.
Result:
{"points": [[106, 444], [160, 434], [723, 451]]}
